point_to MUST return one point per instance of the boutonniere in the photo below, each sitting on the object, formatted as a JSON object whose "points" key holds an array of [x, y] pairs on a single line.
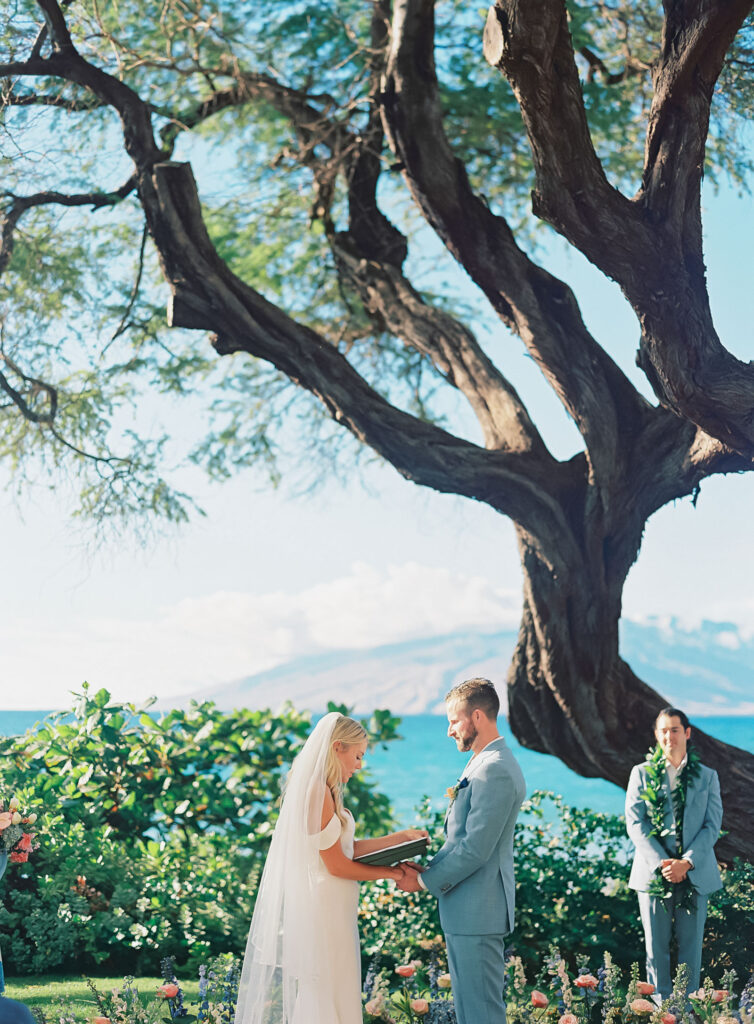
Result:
{"points": [[452, 791]]}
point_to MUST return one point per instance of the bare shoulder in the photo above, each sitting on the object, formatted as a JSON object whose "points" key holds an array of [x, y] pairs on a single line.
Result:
{"points": [[328, 807]]}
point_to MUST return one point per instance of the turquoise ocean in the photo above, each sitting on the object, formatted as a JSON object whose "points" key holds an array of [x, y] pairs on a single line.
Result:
{"points": [[424, 762]]}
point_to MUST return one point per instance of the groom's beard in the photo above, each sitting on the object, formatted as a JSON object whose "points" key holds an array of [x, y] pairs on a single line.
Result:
{"points": [[465, 742]]}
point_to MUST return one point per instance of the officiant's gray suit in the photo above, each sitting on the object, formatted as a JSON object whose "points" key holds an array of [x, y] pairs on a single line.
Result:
{"points": [[472, 877], [702, 817]]}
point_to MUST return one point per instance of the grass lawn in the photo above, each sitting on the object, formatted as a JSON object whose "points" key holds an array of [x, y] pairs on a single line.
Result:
{"points": [[51, 990]]}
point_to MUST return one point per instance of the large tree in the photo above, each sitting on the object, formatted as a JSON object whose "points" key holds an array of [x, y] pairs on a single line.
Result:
{"points": [[328, 140]]}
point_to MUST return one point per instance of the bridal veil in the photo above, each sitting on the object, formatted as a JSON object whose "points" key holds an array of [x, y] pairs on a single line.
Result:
{"points": [[280, 965]]}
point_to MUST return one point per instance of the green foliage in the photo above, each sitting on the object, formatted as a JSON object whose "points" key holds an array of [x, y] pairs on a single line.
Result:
{"points": [[154, 832], [157, 829], [83, 300]]}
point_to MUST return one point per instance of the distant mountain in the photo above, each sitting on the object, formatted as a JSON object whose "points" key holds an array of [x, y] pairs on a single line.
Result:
{"points": [[708, 670]]}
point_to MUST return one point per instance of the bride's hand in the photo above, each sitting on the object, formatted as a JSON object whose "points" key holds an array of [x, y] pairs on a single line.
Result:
{"points": [[397, 873], [409, 834]]}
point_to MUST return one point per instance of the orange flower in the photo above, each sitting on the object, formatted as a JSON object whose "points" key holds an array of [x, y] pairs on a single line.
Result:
{"points": [[24, 843], [539, 999], [643, 1006], [100, 1020], [586, 981], [644, 988], [719, 994], [406, 970], [667, 1018], [19, 858], [168, 990], [420, 1006]]}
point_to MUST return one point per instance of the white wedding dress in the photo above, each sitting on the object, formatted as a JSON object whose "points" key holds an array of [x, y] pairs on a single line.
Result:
{"points": [[302, 962], [335, 989]]}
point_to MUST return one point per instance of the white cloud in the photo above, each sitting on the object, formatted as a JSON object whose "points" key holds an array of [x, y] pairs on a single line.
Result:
{"points": [[225, 635]]}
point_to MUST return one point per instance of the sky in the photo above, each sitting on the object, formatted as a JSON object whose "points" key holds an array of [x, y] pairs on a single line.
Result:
{"points": [[269, 575]]}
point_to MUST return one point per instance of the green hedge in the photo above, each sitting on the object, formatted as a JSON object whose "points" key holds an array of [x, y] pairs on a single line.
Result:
{"points": [[158, 829]]}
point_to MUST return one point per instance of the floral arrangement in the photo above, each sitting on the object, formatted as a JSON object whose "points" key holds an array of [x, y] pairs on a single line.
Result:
{"points": [[423, 993], [416, 991], [16, 837]]}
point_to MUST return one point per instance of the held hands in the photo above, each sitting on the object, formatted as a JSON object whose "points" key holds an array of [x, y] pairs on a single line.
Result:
{"points": [[675, 870], [410, 880], [405, 873]]}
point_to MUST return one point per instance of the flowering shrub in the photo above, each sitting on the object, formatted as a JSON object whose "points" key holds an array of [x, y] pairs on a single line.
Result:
{"points": [[17, 833], [159, 833]]}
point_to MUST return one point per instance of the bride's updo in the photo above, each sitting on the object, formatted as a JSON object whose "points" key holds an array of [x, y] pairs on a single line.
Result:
{"points": [[349, 733]]}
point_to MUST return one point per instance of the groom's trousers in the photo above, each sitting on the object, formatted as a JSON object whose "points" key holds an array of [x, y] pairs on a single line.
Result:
{"points": [[477, 974], [659, 919]]}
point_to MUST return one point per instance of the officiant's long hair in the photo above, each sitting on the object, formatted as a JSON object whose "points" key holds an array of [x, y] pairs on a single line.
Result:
{"points": [[349, 733]]}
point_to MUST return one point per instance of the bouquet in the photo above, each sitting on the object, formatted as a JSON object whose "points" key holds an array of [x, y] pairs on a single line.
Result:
{"points": [[16, 837]]}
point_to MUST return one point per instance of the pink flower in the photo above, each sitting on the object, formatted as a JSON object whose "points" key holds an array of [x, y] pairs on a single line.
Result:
{"points": [[406, 970], [5, 820], [374, 1007], [586, 981], [719, 994], [644, 988], [168, 990], [568, 1018], [667, 1018], [100, 1020], [24, 843], [19, 858], [643, 1006], [539, 999], [420, 1006]]}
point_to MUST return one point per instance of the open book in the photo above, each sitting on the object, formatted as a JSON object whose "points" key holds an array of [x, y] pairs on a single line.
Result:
{"points": [[394, 854]]}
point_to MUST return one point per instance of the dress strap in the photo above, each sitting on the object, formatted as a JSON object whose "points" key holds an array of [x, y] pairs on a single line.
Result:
{"points": [[330, 833]]}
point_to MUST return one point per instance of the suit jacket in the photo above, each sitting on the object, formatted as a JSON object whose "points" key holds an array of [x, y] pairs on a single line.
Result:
{"points": [[702, 817], [472, 874]]}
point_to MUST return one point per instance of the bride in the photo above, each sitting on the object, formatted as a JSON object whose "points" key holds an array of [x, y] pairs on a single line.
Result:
{"points": [[302, 962]]}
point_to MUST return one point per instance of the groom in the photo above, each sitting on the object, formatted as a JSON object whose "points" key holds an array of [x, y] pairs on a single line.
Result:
{"points": [[472, 874]]}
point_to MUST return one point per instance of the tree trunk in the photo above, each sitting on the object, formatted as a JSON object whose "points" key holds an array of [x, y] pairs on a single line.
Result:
{"points": [[570, 693]]}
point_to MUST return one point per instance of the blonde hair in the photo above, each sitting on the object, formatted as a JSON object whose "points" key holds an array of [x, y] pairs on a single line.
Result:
{"points": [[349, 733]]}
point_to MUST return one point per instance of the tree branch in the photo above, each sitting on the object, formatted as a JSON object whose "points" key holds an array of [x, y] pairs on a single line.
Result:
{"points": [[36, 386], [539, 307], [206, 295], [652, 245], [20, 204], [370, 255]]}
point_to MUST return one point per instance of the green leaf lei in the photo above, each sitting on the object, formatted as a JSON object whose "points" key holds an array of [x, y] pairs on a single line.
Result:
{"points": [[671, 839]]}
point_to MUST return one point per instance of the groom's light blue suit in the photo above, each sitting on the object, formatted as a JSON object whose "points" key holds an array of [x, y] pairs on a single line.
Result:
{"points": [[472, 878], [702, 817]]}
